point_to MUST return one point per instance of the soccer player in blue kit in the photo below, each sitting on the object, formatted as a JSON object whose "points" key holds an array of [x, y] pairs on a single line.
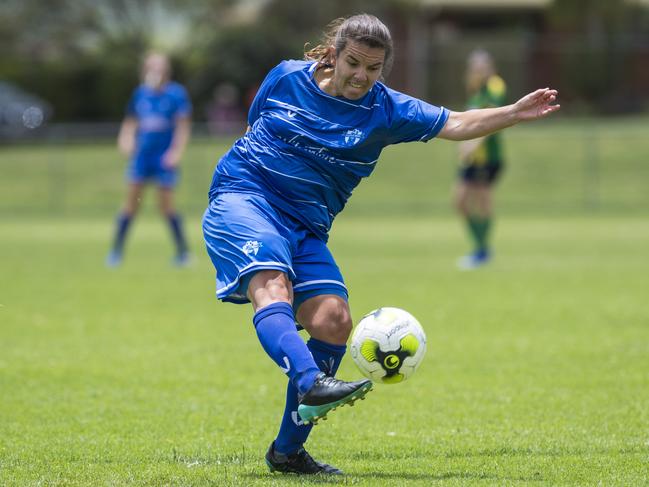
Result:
{"points": [[153, 135], [316, 128]]}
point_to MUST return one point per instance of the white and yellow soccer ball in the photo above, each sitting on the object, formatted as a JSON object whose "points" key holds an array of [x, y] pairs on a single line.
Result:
{"points": [[388, 345]]}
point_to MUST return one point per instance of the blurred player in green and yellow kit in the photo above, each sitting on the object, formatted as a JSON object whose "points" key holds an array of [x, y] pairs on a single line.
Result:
{"points": [[481, 160]]}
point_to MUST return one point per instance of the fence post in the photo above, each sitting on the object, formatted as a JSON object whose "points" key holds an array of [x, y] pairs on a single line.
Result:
{"points": [[591, 197]]}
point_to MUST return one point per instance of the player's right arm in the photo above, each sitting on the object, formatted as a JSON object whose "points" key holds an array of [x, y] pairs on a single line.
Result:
{"points": [[126, 137]]}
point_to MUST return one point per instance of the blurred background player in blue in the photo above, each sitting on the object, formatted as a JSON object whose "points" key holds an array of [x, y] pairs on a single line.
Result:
{"points": [[481, 160], [316, 129], [153, 136]]}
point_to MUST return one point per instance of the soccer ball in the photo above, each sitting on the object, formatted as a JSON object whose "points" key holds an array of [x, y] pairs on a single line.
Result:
{"points": [[388, 345]]}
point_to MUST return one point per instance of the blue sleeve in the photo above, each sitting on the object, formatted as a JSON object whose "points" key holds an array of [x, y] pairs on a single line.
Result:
{"points": [[411, 119], [184, 108], [264, 90]]}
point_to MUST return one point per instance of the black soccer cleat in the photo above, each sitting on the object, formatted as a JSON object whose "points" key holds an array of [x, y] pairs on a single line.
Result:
{"points": [[328, 393], [299, 462]]}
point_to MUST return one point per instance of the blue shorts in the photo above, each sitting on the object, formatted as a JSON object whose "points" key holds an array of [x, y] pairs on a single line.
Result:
{"points": [[142, 169], [244, 234]]}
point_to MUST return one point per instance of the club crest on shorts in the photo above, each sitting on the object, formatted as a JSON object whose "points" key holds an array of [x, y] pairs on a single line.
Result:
{"points": [[251, 247]]}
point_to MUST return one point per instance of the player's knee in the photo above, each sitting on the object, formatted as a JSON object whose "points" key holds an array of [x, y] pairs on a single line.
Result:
{"points": [[337, 321], [343, 330]]}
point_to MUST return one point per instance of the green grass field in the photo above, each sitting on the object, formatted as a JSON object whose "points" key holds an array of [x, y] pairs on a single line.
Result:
{"points": [[537, 370]]}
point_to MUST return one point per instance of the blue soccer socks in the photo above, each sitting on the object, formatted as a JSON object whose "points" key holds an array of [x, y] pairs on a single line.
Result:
{"points": [[123, 223], [275, 325], [292, 433], [114, 258], [121, 229], [327, 356], [175, 223]]}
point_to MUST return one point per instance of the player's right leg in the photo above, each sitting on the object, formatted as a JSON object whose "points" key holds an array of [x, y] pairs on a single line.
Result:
{"points": [[484, 219], [464, 202], [469, 201], [318, 393], [321, 305], [320, 316], [131, 205]]}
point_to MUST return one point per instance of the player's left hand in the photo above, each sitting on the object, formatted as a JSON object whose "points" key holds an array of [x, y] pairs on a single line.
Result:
{"points": [[535, 105]]}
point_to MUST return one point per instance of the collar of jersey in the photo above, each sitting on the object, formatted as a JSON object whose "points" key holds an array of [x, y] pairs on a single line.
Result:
{"points": [[151, 91]]}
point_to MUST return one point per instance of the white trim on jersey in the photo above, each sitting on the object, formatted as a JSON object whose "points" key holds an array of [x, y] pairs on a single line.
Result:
{"points": [[371, 163], [316, 204], [441, 114], [293, 108], [252, 266], [320, 281], [321, 149]]}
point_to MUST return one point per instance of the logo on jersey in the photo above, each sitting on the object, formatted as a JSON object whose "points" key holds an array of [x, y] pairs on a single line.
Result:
{"points": [[291, 114], [251, 247], [352, 136]]}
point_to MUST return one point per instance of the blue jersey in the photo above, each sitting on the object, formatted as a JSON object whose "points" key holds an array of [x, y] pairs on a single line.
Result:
{"points": [[306, 150], [156, 113]]}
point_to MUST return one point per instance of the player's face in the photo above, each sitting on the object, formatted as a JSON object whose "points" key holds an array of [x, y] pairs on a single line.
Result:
{"points": [[356, 69], [156, 71], [478, 72]]}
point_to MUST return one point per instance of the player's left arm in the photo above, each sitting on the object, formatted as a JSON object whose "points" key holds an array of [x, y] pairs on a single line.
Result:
{"points": [[472, 124], [181, 135]]}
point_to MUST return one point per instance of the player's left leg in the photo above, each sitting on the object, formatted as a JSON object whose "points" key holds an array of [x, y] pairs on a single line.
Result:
{"points": [[322, 309], [168, 210], [483, 219], [327, 318]]}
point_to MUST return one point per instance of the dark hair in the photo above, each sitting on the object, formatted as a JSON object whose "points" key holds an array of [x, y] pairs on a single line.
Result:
{"points": [[363, 28]]}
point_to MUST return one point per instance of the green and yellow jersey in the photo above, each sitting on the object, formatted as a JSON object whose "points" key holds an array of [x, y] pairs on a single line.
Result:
{"points": [[491, 94]]}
